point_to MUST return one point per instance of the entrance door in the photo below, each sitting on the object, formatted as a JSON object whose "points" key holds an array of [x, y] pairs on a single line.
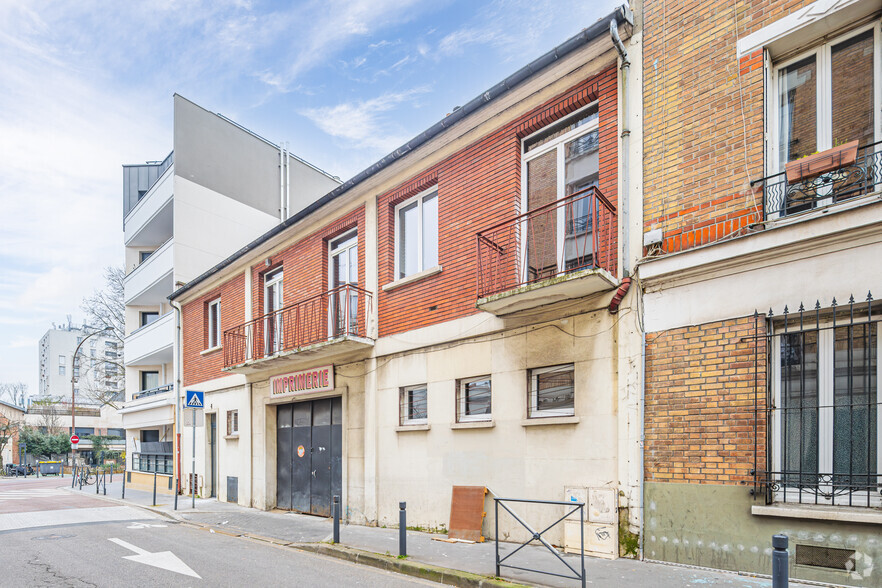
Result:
{"points": [[343, 270], [212, 449], [310, 455], [272, 301]]}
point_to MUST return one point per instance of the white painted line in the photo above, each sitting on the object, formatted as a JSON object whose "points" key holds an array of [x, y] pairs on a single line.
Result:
{"points": [[50, 518], [165, 560]]}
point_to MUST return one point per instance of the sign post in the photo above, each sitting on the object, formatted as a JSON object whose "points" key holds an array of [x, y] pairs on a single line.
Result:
{"points": [[194, 400]]}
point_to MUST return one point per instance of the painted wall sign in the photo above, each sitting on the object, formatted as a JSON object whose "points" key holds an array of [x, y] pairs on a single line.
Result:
{"points": [[304, 382]]}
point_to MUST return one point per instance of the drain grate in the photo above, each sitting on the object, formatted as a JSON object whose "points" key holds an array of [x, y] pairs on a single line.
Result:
{"points": [[825, 557]]}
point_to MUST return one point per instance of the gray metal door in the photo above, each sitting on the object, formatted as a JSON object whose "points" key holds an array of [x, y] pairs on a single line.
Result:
{"points": [[310, 455], [284, 456]]}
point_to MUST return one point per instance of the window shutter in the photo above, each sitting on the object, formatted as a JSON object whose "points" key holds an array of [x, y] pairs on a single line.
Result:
{"points": [[229, 422], [236, 421]]}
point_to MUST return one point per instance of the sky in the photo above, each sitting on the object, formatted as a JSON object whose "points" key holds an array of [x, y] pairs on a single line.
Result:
{"points": [[87, 86]]}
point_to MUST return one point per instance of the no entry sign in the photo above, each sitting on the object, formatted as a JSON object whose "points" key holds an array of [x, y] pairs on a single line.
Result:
{"points": [[74, 439]]}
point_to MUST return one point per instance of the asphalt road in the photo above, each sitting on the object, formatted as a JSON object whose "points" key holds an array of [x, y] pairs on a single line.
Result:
{"points": [[49, 537]]}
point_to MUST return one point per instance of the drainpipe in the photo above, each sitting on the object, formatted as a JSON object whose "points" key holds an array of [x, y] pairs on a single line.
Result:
{"points": [[642, 413], [178, 367], [626, 135]]}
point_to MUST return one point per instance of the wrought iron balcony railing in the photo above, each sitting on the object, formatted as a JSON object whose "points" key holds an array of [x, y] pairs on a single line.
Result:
{"points": [[574, 233], [329, 316], [864, 176]]}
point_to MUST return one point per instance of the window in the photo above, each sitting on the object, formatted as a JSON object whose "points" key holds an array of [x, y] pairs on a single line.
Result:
{"points": [[825, 417], [143, 255], [552, 391], [61, 370], [149, 380], [232, 422], [416, 234], [111, 344], [148, 317], [76, 372], [560, 161], [93, 343], [214, 324], [149, 435], [473, 400], [92, 353], [413, 405], [272, 302], [61, 360], [121, 433], [79, 340], [825, 97]]}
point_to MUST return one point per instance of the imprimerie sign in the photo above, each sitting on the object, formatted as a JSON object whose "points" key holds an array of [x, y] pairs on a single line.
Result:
{"points": [[319, 379]]}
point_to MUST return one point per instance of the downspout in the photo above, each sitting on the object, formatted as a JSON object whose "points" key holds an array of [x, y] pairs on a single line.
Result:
{"points": [[281, 183], [626, 135], [287, 181], [178, 367], [642, 412]]}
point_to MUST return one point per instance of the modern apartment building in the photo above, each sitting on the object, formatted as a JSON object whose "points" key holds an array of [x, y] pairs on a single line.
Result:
{"points": [[456, 314], [95, 370], [763, 233], [221, 186]]}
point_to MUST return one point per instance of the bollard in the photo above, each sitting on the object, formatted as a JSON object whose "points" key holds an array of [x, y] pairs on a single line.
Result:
{"points": [[402, 529], [154, 488], [97, 481], [124, 485], [111, 475], [177, 491], [104, 482], [780, 572], [73, 476], [336, 519]]}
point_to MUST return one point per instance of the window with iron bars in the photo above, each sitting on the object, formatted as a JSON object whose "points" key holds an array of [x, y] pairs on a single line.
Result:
{"points": [[473, 400], [413, 405], [822, 411]]}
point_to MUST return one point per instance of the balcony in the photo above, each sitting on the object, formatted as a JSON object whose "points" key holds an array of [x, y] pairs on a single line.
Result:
{"points": [[561, 251], [153, 280], [782, 198], [153, 391], [149, 408], [151, 344], [328, 327], [149, 222]]}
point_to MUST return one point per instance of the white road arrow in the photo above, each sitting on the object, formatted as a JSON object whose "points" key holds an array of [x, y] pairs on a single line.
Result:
{"points": [[165, 560]]}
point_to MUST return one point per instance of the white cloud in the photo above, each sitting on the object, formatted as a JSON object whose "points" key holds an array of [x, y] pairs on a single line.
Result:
{"points": [[362, 123]]}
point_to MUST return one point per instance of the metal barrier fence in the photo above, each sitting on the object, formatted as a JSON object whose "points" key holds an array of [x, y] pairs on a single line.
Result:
{"points": [[537, 536]]}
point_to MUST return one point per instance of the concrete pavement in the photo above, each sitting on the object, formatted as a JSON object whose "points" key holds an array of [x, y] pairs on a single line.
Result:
{"points": [[51, 536], [478, 560]]}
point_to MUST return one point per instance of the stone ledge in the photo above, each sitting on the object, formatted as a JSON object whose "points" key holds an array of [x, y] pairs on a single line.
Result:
{"points": [[869, 516]]}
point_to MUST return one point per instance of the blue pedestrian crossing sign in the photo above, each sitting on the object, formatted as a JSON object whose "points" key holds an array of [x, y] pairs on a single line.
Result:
{"points": [[195, 399]]}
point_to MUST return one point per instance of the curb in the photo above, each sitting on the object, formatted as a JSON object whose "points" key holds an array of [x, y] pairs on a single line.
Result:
{"points": [[388, 563], [403, 566]]}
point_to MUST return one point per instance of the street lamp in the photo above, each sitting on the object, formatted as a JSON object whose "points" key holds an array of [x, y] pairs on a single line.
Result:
{"points": [[73, 428]]}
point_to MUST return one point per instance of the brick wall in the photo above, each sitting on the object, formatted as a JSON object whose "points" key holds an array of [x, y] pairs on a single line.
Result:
{"points": [[699, 412], [305, 265], [703, 126], [194, 323], [478, 187]]}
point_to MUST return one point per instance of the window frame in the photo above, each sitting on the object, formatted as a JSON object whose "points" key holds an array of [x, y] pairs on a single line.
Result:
{"points": [[141, 374], [214, 329], [145, 314], [822, 51], [826, 379], [419, 198], [462, 396], [233, 422], [533, 410], [557, 144], [405, 402]]}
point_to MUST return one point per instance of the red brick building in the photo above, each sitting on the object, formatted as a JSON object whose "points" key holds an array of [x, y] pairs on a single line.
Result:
{"points": [[761, 219], [453, 315]]}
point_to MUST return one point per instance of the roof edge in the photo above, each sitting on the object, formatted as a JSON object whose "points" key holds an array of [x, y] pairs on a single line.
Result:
{"points": [[622, 15]]}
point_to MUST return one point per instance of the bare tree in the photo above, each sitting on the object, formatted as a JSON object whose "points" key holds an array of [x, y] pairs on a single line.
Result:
{"points": [[50, 411], [106, 308], [13, 392], [9, 428]]}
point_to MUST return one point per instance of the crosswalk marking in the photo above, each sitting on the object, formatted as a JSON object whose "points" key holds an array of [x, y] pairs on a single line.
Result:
{"points": [[30, 493]]}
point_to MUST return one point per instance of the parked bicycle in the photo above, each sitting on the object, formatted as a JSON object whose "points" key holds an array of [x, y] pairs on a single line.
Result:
{"points": [[85, 477]]}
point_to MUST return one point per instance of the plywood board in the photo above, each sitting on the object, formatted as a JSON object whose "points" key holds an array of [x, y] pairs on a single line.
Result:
{"points": [[467, 513]]}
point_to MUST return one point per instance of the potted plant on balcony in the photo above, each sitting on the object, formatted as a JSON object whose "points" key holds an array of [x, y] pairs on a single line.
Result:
{"points": [[816, 164]]}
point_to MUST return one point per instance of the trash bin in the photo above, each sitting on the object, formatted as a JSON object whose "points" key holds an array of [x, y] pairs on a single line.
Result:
{"points": [[49, 467]]}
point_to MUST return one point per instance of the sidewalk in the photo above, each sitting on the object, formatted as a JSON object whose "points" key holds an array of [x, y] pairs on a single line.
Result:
{"points": [[460, 563]]}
